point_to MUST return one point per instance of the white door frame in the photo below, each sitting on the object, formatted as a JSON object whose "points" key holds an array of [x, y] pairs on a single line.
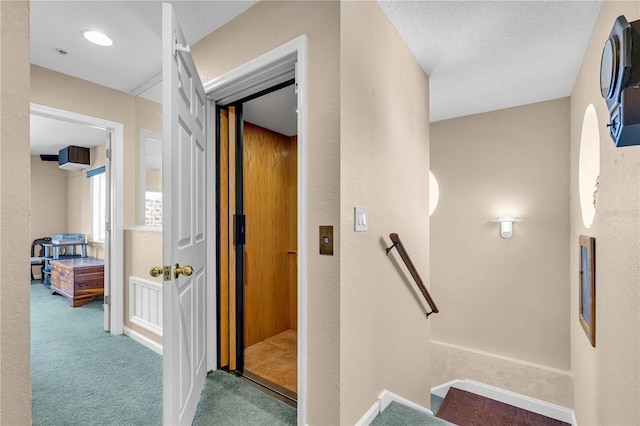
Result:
{"points": [[280, 64], [115, 270]]}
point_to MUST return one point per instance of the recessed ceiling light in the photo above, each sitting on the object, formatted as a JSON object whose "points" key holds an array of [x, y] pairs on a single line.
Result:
{"points": [[97, 37]]}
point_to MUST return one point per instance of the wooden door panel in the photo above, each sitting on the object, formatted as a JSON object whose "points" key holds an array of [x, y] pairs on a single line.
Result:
{"points": [[292, 218], [224, 237], [266, 290], [232, 248]]}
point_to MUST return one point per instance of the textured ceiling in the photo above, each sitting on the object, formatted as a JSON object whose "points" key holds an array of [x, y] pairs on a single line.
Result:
{"points": [[132, 65], [134, 26], [488, 55], [479, 55], [48, 135]]}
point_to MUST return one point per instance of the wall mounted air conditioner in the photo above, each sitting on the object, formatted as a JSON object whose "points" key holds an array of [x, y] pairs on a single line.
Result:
{"points": [[74, 158]]}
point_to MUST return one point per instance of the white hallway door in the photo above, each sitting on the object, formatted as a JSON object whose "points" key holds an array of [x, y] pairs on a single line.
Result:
{"points": [[184, 231]]}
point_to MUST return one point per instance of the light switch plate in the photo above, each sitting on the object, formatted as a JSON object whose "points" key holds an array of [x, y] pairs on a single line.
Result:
{"points": [[360, 219]]}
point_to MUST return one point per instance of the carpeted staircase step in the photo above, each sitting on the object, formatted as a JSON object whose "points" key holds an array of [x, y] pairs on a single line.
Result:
{"points": [[465, 408], [399, 414]]}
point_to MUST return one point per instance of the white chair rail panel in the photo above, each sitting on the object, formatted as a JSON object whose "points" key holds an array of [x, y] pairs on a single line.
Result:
{"points": [[145, 304]]}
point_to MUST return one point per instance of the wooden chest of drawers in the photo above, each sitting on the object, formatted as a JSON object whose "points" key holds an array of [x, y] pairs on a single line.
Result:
{"points": [[80, 280]]}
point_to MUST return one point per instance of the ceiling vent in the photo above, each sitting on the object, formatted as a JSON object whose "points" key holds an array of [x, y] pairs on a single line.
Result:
{"points": [[74, 158]]}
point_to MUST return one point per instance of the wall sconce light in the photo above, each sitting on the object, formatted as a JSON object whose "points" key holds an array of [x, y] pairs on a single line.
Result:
{"points": [[506, 226]]}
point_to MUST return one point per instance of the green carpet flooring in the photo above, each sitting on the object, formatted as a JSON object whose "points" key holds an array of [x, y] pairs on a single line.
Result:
{"points": [[398, 414], [81, 375], [227, 400]]}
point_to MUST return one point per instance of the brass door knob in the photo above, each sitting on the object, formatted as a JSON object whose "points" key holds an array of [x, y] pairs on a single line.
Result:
{"points": [[185, 270], [156, 271]]}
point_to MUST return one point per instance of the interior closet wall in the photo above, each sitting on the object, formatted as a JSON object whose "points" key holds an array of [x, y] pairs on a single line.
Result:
{"points": [[268, 206]]}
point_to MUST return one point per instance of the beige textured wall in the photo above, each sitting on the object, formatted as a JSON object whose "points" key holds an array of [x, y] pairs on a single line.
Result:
{"points": [[509, 297], [72, 94], [451, 362], [15, 381], [98, 159], [264, 27], [143, 251], [148, 115], [79, 202], [384, 166], [142, 248], [606, 378], [48, 198]]}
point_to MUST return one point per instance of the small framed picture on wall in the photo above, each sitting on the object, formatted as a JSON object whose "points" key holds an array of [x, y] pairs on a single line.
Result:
{"points": [[587, 298]]}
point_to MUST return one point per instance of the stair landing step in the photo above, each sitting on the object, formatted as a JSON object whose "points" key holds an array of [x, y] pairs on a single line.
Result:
{"points": [[465, 408]]}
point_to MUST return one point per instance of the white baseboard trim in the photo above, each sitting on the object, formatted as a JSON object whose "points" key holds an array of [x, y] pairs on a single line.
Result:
{"points": [[156, 347], [387, 398], [384, 399], [442, 390], [521, 401], [371, 414]]}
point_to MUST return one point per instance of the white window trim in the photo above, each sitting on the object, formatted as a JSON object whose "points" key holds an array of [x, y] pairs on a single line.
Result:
{"points": [[98, 231]]}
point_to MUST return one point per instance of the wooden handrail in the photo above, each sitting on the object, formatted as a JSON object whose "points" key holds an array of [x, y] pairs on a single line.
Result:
{"points": [[412, 270]]}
